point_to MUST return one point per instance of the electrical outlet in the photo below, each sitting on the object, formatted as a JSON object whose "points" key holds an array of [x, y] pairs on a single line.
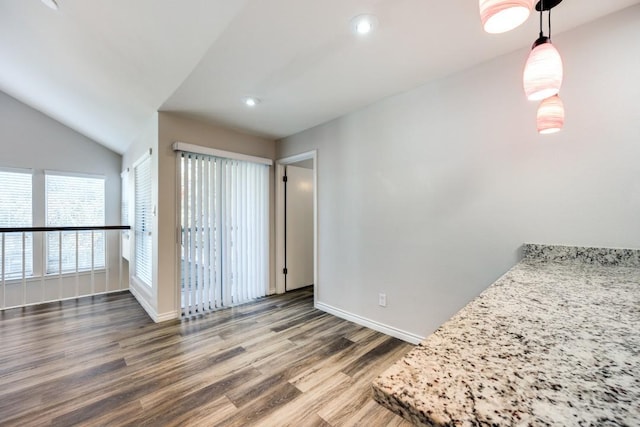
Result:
{"points": [[382, 300]]}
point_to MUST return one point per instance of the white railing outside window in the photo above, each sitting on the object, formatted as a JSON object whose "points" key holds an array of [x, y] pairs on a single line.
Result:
{"points": [[21, 288]]}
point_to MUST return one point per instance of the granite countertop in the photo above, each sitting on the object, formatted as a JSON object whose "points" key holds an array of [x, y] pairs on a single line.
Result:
{"points": [[555, 341]]}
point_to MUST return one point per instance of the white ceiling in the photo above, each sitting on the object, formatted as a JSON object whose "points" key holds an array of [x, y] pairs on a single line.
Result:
{"points": [[103, 67]]}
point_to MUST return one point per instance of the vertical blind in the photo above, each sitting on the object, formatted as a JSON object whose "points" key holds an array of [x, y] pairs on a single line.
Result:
{"points": [[75, 201], [15, 211], [224, 224], [142, 220]]}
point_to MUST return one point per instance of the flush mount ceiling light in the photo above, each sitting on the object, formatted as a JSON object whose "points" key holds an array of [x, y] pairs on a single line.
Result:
{"points": [[250, 101], [363, 24], [500, 16], [51, 3], [550, 117], [543, 71]]}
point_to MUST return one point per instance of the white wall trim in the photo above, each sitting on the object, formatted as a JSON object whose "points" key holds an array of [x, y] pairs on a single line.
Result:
{"points": [[74, 174], [17, 170], [153, 314], [33, 304], [142, 158], [169, 315], [143, 302], [298, 157], [371, 324], [142, 288], [199, 149]]}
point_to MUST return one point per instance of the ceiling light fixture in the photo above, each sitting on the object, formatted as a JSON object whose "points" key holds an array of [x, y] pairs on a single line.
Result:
{"points": [[363, 24], [51, 3], [500, 16], [543, 71], [550, 116], [250, 101]]}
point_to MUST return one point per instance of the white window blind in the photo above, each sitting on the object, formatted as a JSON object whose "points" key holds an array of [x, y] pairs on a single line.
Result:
{"points": [[142, 220], [225, 235], [74, 201], [124, 214], [15, 211], [124, 198]]}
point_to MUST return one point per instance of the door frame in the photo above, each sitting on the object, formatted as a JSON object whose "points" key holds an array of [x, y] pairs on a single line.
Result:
{"points": [[279, 213]]}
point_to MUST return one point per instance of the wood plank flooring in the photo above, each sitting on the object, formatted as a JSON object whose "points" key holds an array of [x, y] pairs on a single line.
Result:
{"points": [[276, 362]]}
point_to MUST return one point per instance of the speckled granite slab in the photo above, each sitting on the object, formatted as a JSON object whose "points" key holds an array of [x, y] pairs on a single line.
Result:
{"points": [[597, 256], [555, 341]]}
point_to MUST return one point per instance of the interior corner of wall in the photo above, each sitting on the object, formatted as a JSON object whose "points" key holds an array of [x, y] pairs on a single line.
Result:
{"points": [[370, 323], [144, 297]]}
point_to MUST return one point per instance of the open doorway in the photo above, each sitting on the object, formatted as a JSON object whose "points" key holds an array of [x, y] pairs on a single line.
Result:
{"points": [[296, 227]]}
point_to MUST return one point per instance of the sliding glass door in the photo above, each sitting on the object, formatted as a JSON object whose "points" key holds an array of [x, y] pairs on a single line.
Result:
{"points": [[224, 231]]}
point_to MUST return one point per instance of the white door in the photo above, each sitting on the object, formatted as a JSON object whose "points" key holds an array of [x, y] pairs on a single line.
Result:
{"points": [[299, 227]]}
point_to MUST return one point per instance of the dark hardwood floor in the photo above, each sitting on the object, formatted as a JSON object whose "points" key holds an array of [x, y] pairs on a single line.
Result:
{"points": [[276, 362]]}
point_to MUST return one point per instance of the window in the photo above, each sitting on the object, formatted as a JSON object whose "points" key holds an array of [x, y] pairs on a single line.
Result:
{"points": [[74, 201], [142, 220], [15, 211]]}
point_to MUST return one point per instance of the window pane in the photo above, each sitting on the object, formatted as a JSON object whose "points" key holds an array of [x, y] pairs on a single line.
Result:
{"points": [[124, 214], [15, 211], [74, 201], [142, 221]]}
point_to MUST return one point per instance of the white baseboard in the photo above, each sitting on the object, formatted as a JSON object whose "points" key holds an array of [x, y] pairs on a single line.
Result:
{"points": [[157, 318], [163, 317], [143, 302], [371, 324]]}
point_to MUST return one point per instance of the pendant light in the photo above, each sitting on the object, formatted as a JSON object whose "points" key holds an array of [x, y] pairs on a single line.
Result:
{"points": [[550, 115], [500, 16], [542, 77]]}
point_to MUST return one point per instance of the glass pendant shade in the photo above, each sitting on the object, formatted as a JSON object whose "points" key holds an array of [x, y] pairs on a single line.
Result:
{"points": [[542, 76], [550, 115], [499, 16]]}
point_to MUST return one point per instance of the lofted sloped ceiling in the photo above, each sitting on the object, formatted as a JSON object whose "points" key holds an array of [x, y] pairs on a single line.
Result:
{"points": [[103, 67]]}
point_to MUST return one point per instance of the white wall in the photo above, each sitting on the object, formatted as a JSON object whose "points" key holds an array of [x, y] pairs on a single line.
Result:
{"points": [[29, 139], [32, 140], [427, 196]]}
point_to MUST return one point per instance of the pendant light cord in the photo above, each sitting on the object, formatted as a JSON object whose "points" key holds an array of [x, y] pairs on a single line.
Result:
{"points": [[541, 9], [541, 20]]}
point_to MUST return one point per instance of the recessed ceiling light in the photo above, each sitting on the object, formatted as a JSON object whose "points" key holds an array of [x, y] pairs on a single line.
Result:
{"points": [[250, 101], [363, 27], [363, 24], [51, 3]]}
